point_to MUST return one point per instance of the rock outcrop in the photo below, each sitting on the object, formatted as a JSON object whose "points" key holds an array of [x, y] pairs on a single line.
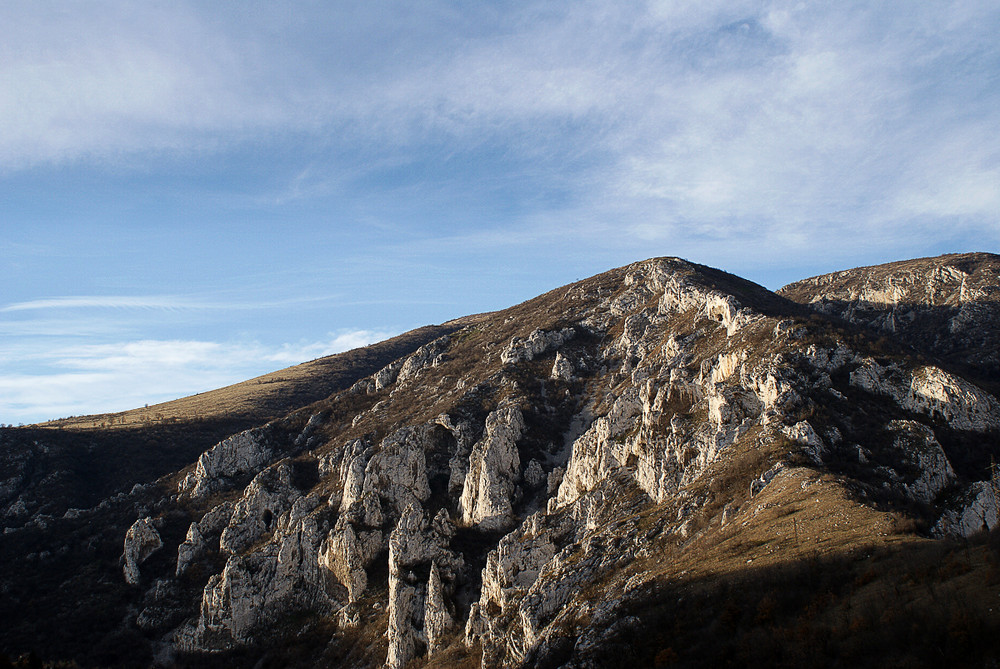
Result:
{"points": [[932, 391], [534, 345], [203, 536], [494, 467], [257, 587], [947, 306], [241, 454], [976, 510], [258, 511], [347, 554], [141, 541], [415, 543]]}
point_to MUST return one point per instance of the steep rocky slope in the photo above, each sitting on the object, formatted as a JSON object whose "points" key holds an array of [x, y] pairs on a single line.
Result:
{"points": [[947, 307], [77, 462], [664, 464]]}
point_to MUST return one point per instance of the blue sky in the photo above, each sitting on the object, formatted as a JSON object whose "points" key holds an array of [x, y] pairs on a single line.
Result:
{"points": [[194, 193]]}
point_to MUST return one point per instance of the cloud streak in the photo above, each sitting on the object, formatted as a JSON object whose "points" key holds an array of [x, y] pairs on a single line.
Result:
{"points": [[108, 302], [167, 302]]}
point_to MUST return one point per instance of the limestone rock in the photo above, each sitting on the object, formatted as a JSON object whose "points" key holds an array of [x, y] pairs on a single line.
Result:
{"points": [[593, 455], [803, 434], [428, 355], [494, 466], [403, 604], [192, 548], [682, 392], [562, 368], [437, 619], [976, 510], [534, 475], [268, 496], [281, 577], [314, 421], [386, 376], [931, 391], [352, 472], [946, 306], [413, 543], [238, 455], [514, 565], [348, 555], [141, 541], [917, 450], [201, 535], [537, 343], [536, 571], [395, 476], [764, 479], [406, 369]]}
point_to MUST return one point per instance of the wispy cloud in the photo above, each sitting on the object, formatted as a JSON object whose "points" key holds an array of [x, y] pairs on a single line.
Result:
{"points": [[168, 302], [687, 113], [96, 80], [74, 379], [108, 302]]}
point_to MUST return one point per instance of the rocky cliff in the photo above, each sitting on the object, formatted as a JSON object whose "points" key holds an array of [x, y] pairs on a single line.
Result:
{"points": [[947, 307], [578, 480]]}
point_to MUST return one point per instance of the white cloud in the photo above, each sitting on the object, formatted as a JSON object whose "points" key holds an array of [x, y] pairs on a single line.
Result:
{"points": [[709, 109], [94, 80], [108, 301], [163, 302], [79, 379]]}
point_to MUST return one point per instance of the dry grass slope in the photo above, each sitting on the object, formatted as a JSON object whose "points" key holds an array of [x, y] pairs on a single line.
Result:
{"points": [[266, 397]]}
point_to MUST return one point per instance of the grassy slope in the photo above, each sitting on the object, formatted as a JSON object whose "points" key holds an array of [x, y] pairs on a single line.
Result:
{"points": [[272, 395]]}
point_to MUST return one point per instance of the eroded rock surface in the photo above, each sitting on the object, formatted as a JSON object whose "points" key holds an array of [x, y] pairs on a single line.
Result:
{"points": [[231, 458], [493, 471], [141, 541]]}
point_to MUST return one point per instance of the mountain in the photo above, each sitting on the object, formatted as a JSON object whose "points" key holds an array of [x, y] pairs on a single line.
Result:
{"points": [[946, 307], [662, 465]]}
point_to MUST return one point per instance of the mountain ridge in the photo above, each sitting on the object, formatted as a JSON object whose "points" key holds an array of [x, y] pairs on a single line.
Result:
{"points": [[557, 484], [947, 307]]}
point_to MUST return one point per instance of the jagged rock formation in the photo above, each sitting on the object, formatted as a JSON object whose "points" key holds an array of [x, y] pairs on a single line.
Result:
{"points": [[141, 541], [493, 470], [203, 536], [526, 490], [947, 306], [240, 454]]}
